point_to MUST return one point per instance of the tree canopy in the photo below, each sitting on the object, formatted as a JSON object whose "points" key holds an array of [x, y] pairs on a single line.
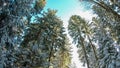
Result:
{"points": [[31, 37]]}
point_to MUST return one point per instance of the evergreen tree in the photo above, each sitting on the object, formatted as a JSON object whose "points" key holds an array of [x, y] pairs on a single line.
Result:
{"points": [[106, 32], [14, 14], [77, 32], [108, 22], [46, 39]]}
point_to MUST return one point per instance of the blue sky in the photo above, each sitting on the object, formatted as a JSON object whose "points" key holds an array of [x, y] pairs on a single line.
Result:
{"points": [[63, 6], [66, 8]]}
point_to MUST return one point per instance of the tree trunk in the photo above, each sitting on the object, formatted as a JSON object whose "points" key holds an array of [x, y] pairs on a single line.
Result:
{"points": [[108, 9], [50, 55], [84, 50]]}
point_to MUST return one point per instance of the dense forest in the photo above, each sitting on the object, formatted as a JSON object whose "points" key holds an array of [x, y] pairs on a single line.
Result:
{"points": [[33, 38]]}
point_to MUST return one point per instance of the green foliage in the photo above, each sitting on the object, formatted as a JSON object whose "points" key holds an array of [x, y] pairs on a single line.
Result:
{"points": [[105, 32], [39, 4], [12, 27], [46, 38], [73, 30], [30, 45], [78, 31]]}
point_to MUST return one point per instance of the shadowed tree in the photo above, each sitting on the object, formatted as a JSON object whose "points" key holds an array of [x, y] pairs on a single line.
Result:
{"points": [[106, 32], [14, 14], [76, 31], [81, 32], [46, 39]]}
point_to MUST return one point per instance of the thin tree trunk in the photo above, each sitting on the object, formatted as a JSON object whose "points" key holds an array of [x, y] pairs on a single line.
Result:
{"points": [[95, 54], [83, 47], [84, 50], [107, 8], [50, 54], [92, 46]]}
